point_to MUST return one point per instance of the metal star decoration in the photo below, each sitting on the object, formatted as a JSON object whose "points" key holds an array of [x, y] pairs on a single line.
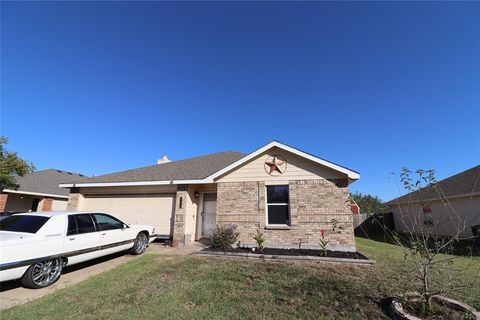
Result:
{"points": [[275, 165]]}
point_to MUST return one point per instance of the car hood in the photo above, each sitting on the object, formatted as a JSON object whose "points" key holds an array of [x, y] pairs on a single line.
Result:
{"points": [[8, 238]]}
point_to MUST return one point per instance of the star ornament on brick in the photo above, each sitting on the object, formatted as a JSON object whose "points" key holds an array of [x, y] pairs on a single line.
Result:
{"points": [[275, 165]]}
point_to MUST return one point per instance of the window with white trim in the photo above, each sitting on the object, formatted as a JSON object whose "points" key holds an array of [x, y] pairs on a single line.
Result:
{"points": [[278, 206]]}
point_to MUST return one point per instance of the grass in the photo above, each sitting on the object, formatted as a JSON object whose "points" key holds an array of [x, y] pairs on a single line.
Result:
{"points": [[186, 287]]}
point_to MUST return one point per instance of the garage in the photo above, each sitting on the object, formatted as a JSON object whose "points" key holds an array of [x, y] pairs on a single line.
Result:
{"points": [[151, 209]]}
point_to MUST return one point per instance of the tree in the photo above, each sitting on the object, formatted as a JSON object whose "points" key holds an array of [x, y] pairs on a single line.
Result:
{"points": [[368, 203], [431, 266], [11, 165]]}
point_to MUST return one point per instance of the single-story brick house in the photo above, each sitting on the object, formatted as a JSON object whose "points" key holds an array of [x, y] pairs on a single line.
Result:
{"points": [[288, 193], [38, 191], [458, 215]]}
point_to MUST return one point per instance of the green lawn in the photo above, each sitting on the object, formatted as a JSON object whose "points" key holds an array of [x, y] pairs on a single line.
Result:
{"points": [[185, 287]]}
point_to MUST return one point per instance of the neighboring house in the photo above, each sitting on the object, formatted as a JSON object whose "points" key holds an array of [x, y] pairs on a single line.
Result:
{"points": [[458, 214], [288, 193], [38, 191]]}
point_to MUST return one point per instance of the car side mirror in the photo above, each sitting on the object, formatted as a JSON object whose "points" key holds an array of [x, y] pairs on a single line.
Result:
{"points": [[124, 226]]}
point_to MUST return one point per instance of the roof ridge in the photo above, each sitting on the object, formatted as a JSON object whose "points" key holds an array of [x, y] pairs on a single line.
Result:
{"points": [[442, 183], [60, 171], [167, 164]]}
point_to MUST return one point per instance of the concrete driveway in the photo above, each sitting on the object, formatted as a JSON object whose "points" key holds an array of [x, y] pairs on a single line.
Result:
{"points": [[12, 293]]}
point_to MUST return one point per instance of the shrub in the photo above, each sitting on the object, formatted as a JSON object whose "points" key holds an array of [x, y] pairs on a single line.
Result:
{"points": [[260, 239], [224, 237]]}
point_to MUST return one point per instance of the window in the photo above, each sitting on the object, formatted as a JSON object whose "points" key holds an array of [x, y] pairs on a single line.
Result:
{"points": [[107, 222], [23, 223], [72, 225], [80, 223], [278, 205], [427, 216]]}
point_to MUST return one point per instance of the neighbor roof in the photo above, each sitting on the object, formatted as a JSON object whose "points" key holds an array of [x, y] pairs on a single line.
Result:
{"points": [[46, 182], [188, 169], [462, 184]]}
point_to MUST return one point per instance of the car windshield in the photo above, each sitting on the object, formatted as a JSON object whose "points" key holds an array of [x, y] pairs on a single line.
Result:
{"points": [[21, 223]]}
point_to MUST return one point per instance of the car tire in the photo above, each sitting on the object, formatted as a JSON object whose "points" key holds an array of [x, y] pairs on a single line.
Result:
{"points": [[140, 244], [43, 273]]}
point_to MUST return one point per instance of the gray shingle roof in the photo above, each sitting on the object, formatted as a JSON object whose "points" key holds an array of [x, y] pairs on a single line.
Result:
{"points": [[47, 181], [187, 169], [463, 183]]}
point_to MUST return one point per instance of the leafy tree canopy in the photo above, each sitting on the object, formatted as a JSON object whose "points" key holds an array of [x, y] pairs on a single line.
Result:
{"points": [[368, 203], [11, 165]]}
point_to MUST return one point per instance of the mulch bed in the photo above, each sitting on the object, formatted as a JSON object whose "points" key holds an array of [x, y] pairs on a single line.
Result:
{"points": [[296, 252]]}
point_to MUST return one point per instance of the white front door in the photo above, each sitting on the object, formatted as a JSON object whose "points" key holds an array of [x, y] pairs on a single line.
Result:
{"points": [[209, 214]]}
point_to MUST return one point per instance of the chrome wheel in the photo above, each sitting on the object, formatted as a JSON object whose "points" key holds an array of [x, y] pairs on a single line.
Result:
{"points": [[46, 272], [141, 243]]}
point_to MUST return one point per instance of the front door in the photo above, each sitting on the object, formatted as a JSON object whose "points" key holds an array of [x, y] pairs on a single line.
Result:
{"points": [[209, 214]]}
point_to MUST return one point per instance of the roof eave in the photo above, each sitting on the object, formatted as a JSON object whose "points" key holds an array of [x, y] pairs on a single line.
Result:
{"points": [[134, 183], [30, 193]]}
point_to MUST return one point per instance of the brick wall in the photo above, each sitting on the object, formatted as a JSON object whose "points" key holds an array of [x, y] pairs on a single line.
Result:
{"points": [[313, 204], [73, 201], [47, 204], [181, 202], [3, 201]]}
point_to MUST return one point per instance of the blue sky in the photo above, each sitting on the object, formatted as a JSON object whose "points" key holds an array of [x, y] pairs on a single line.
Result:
{"points": [[98, 87]]}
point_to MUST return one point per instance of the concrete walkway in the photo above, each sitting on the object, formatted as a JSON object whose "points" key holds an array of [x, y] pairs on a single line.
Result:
{"points": [[12, 293]]}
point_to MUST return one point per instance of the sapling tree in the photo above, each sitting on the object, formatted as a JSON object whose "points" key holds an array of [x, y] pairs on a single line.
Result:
{"points": [[427, 250]]}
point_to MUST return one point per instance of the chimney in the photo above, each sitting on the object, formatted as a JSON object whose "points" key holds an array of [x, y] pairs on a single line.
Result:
{"points": [[163, 160]]}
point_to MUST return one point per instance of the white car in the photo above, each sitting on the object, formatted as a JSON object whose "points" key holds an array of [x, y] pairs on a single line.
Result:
{"points": [[34, 247]]}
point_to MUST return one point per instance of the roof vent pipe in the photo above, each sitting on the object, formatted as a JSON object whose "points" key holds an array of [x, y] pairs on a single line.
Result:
{"points": [[163, 160]]}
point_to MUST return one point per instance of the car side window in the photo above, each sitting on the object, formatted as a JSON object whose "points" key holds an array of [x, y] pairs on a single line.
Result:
{"points": [[107, 222], [80, 223], [72, 226]]}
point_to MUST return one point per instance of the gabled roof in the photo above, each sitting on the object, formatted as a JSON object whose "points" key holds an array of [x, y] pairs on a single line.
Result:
{"points": [[45, 182], [465, 183], [204, 169], [197, 168], [350, 173]]}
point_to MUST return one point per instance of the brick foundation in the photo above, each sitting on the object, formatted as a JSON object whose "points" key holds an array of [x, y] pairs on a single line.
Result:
{"points": [[313, 204]]}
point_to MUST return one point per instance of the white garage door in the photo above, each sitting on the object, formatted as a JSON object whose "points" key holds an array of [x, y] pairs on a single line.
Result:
{"points": [[156, 210]]}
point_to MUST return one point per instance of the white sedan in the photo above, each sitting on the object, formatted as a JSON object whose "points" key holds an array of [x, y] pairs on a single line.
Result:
{"points": [[34, 247]]}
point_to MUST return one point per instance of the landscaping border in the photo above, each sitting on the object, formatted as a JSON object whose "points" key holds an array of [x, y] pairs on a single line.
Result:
{"points": [[398, 313], [284, 257]]}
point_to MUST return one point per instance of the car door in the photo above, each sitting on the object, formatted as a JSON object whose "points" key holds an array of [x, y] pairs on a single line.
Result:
{"points": [[82, 241], [114, 234]]}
